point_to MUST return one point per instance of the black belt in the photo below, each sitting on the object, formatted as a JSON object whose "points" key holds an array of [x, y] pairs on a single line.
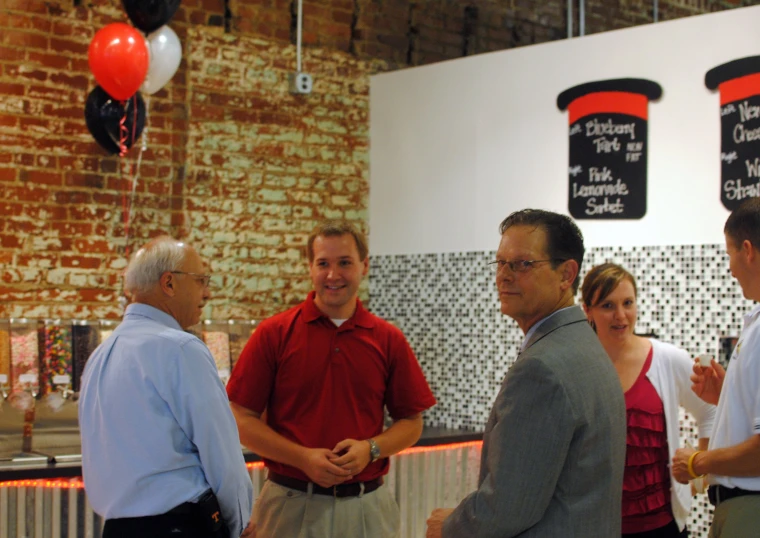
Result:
{"points": [[719, 494], [340, 490], [184, 509]]}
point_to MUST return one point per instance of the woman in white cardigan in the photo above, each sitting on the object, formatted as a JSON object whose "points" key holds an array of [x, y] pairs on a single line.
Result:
{"points": [[655, 378]]}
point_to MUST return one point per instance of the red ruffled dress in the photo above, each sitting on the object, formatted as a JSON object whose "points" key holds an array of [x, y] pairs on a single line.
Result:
{"points": [[646, 481]]}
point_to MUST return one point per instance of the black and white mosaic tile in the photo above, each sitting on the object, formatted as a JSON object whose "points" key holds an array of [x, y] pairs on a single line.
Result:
{"points": [[448, 308]]}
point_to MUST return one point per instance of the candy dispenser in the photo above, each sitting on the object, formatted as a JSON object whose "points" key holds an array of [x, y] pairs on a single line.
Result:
{"points": [[85, 336], [240, 331], [25, 361], [107, 327], [56, 428], [217, 338], [11, 421], [57, 358], [5, 360], [25, 373]]}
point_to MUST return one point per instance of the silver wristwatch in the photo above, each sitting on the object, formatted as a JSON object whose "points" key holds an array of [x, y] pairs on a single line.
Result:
{"points": [[374, 450]]}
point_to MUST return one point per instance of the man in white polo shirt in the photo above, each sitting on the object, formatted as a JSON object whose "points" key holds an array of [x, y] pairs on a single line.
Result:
{"points": [[732, 460]]}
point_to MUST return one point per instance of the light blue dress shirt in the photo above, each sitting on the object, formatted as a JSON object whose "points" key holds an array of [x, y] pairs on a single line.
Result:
{"points": [[156, 425]]}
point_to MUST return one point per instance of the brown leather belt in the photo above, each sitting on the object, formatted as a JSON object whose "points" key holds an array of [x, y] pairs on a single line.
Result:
{"points": [[341, 490]]}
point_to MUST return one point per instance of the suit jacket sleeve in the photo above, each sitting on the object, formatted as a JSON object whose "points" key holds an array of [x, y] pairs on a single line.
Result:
{"points": [[529, 434]]}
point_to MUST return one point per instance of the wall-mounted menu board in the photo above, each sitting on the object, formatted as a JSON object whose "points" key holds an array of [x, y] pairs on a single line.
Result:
{"points": [[739, 85], [608, 147]]}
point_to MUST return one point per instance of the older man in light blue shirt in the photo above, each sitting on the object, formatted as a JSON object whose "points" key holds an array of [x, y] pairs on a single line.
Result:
{"points": [[157, 431]]}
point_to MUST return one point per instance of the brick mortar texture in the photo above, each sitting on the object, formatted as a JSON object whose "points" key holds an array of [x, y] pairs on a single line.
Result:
{"points": [[233, 162]]}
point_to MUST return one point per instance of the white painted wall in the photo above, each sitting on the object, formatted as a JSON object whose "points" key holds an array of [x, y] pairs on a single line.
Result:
{"points": [[457, 146]]}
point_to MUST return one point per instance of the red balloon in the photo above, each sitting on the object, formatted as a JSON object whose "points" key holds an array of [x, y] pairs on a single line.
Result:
{"points": [[119, 58]]}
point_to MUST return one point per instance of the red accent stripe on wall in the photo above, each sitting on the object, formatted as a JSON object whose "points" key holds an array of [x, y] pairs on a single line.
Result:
{"points": [[633, 104], [739, 88]]}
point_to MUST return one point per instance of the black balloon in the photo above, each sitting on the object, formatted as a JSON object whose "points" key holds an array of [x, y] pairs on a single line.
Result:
{"points": [[103, 115], [150, 15]]}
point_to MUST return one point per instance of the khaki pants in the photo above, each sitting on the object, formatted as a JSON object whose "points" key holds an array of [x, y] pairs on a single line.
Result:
{"points": [[280, 512], [737, 518]]}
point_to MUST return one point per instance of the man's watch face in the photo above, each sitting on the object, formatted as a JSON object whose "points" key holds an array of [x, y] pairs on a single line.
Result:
{"points": [[374, 450]]}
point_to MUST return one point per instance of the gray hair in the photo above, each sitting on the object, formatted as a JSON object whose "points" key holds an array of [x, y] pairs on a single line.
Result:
{"points": [[150, 262]]}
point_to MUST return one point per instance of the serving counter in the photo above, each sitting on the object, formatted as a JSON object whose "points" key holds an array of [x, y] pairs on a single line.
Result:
{"points": [[41, 490], [42, 494]]}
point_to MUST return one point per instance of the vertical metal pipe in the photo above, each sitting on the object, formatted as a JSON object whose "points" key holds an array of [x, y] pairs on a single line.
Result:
{"points": [[73, 513], [582, 18], [21, 531], [89, 520], [55, 523], [5, 519], [39, 501], [299, 31], [569, 19], [655, 14]]}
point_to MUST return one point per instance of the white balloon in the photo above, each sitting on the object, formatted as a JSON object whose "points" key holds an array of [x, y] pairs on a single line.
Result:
{"points": [[165, 56]]}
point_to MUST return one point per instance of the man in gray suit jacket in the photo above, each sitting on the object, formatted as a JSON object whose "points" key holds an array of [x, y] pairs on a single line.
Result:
{"points": [[554, 445]]}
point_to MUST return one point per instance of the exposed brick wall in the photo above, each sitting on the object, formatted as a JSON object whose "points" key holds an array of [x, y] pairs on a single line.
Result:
{"points": [[264, 167], [233, 162], [62, 233]]}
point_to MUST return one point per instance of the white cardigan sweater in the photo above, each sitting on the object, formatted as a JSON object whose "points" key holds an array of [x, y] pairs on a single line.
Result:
{"points": [[670, 374]]}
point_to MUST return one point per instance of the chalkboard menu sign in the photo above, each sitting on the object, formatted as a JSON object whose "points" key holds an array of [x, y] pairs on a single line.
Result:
{"points": [[739, 85], [608, 147]]}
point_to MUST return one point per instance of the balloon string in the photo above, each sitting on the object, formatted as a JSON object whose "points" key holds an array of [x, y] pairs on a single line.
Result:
{"points": [[125, 212], [125, 209], [123, 131], [129, 205], [134, 119]]}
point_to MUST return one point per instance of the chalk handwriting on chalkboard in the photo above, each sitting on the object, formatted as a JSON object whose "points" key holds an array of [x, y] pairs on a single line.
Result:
{"points": [[729, 157], [598, 197], [608, 145], [618, 188], [734, 190], [753, 167], [742, 135], [740, 128], [597, 128], [748, 111]]}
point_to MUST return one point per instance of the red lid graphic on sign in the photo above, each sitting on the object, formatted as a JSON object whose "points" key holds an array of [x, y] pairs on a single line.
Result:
{"points": [[736, 80], [629, 96]]}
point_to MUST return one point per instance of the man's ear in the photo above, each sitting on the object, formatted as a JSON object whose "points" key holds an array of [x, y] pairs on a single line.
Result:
{"points": [[569, 272], [366, 266], [167, 283], [749, 251]]}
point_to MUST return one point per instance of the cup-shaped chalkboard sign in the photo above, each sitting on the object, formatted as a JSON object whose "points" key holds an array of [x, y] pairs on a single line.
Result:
{"points": [[608, 147], [739, 85]]}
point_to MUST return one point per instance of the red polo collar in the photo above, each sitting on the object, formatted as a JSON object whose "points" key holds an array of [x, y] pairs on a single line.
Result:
{"points": [[361, 317]]}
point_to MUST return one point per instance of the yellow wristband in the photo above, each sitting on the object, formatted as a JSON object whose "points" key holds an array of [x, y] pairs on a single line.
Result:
{"points": [[690, 465]]}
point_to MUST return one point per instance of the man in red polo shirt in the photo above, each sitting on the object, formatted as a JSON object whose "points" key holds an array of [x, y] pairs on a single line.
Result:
{"points": [[323, 371]]}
